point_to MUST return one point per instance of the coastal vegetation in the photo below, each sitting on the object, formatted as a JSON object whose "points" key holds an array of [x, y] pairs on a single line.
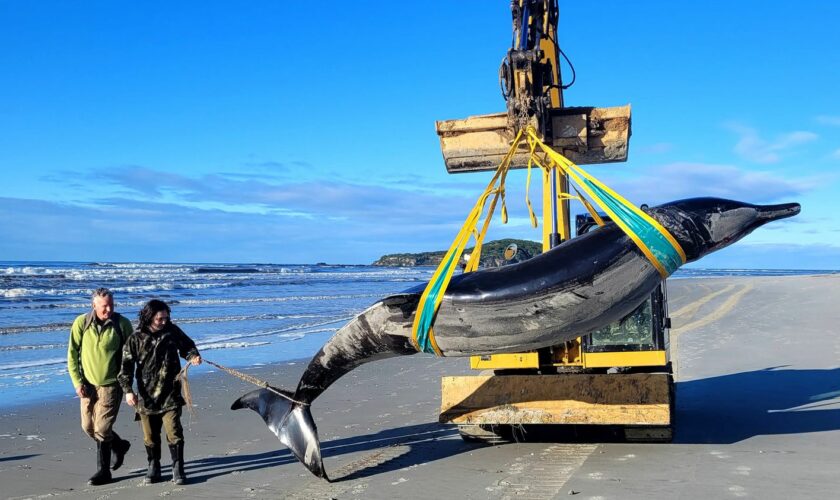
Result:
{"points": [[492, 254]]}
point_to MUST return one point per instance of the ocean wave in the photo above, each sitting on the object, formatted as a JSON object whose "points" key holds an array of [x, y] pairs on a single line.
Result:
{"points": [[232, 318], [229, 345], [140, 303], [139, 265], [130, 272], [14, 293], [65, 281], [251, 269], [31, 276], [231, 341], [10, 330], [173, 286], [30, 272], [273, 299], [225, 270], [32, 364], [7, 330], [300, 335], [157, 287], [291, 332], [14, 348]]}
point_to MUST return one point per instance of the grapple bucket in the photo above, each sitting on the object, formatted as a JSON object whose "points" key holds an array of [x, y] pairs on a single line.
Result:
{"points": [[584, 135]]}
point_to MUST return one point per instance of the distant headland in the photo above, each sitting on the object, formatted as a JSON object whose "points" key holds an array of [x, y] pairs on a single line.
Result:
{"points": [[492, 255]]}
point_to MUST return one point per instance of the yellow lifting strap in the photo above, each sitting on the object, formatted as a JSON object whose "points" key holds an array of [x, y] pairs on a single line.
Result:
{"points": [[423, 336], [655, 242]]}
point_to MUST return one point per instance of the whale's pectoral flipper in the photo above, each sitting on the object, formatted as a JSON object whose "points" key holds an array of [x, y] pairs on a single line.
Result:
{"points": [[291, 422]]}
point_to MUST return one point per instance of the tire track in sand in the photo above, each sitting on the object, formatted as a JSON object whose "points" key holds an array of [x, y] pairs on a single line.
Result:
{"points": [[691, 309], [374, 463], [715, 315], [352, 478], [544, 475]]}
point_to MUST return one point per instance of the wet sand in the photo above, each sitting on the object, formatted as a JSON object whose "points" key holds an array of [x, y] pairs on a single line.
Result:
{"points": [[758, 416]]}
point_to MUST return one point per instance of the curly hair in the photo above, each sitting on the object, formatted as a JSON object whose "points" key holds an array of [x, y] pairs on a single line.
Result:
{"points": [[147, 314]]}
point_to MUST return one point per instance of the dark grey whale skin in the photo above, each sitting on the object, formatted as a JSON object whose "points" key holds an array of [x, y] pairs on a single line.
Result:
{"points": [[577, 286]]}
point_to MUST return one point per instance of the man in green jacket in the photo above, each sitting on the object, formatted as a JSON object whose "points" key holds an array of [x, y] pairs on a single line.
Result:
{"points": [[93, 361]]}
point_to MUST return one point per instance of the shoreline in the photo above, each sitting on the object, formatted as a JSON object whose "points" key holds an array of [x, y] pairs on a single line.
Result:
{"points": [[758, 410], [44, 453], [67, 396], [25, 378]]}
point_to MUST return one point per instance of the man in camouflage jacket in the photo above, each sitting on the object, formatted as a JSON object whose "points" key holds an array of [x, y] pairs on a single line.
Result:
{"points": [[151, 356]]}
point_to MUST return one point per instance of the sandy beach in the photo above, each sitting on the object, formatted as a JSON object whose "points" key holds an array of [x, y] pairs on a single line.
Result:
{"points": [[758, 416]]}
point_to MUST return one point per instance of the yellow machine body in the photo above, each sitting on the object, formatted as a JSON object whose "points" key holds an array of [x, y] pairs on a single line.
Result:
{"points": [[582, 399], [530, 360]]}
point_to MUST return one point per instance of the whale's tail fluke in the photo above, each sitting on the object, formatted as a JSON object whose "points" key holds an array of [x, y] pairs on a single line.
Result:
{"points": [[291, 422]]}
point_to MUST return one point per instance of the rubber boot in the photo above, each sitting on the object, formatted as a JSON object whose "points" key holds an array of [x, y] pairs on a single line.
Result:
{"points": [[177, 452], [103, 462], [119, 447], [153, 455]]}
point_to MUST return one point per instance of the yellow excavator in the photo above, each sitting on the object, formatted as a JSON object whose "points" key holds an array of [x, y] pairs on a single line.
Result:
{"points": [[618, 377]]}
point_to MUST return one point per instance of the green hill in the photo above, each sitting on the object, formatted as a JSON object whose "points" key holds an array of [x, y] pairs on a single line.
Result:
{"points": [[492, 255]]}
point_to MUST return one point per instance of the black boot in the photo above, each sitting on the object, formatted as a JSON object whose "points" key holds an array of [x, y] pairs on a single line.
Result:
{"points": [[153, 454], [103, 462], [177, 452], [119, 447]]}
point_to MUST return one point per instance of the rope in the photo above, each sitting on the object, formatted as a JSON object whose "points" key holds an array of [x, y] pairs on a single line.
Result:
{"points": [[242, 376], [185, 389]]}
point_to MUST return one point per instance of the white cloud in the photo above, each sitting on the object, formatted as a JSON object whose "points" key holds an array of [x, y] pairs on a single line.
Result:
{"points": [[753, 147], [166, 232], [688, 180], [829, 120], [360, 201]]}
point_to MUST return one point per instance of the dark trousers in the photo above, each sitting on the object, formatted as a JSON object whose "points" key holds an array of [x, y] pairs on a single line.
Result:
{"points": [[171, 423]]}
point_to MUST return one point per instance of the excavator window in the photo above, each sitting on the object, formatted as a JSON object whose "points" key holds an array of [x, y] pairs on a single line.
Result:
{"points": [[641, 330]]}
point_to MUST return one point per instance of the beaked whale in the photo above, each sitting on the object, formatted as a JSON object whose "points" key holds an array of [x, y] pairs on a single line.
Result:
{"points": [[574, 288]]}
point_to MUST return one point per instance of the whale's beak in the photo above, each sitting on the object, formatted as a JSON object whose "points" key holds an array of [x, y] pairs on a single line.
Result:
{"points": [[768, 213]]}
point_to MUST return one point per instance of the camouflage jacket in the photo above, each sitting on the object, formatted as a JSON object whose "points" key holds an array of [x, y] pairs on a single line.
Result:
{"points": [[153, 360]]}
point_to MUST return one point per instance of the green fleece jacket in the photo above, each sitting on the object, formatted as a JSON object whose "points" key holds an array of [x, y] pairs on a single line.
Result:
{"points": [[94, 355]]}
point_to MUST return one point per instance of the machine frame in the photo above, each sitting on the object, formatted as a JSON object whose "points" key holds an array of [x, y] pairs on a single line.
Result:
{"points": [[582, 382]]}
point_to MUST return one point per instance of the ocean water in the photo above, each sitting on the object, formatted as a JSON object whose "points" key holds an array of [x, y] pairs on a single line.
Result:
{"points": [[239, 315]]}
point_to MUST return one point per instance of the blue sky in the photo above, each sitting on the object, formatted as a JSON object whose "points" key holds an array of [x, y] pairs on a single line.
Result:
{"points": [[296, 132]]}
